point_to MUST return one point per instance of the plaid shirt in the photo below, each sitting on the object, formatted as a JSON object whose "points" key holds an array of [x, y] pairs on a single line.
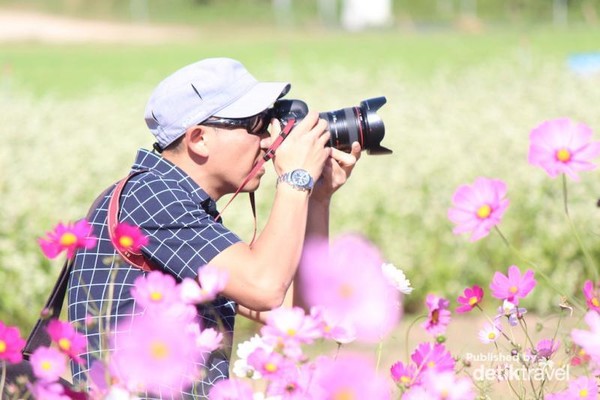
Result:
{"points": [[173, 211]]}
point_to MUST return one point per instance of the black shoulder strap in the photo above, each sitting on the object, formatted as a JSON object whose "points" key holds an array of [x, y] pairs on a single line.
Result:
{"points": [[38, 336]]}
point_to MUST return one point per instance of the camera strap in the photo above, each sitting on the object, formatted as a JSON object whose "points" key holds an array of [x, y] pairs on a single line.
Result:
{"points": [[267, 157]]}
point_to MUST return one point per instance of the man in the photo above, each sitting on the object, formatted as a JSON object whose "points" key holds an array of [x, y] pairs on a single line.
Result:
{"points": [[210, 125]]}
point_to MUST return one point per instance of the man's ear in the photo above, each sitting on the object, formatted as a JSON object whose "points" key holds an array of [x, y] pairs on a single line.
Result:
{"points": [[196, 140]]}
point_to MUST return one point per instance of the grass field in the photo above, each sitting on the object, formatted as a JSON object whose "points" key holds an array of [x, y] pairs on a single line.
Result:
{"points": [[459, 106]]}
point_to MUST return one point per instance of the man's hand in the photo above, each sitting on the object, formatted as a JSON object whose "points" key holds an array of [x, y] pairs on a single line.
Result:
{"points": [[336, 171]]}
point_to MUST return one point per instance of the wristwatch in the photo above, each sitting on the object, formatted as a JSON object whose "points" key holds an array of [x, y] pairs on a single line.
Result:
{"points": [[299, 179]]}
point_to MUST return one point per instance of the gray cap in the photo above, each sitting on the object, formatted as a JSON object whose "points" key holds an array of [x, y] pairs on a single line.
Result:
{"points": [[212, 87]]}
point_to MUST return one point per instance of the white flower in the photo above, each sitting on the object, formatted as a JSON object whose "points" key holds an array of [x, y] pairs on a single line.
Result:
{"points": [[489, 333], [396, 278], [241, 368]]}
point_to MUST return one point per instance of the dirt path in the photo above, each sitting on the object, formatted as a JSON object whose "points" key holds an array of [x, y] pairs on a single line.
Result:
{"points": [[21, 26]]}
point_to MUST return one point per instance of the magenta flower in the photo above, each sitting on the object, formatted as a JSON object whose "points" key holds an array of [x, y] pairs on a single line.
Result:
{"points": [[292, 384], [439, 315], [68, 238], [229, 389], [592, 295], [514, 286], [579, 388], [563, 146], [69, 341], [335, 379], [471, 297], [545, 348], [11, 344], [271, 365], [478, 208], [589, 340], [157, 353], [128, 238], [403, 374], [48, 390], [211, 281], [155, 290], [346, 279], [48, 364], [432, 356]]}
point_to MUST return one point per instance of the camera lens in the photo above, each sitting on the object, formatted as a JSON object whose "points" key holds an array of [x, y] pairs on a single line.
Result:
{"points": [[357, 124]]}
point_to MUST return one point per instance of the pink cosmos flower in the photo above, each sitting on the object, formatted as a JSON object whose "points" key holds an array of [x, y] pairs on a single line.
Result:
{"points": [[334, 379], [446, 385], [11, 344], [156, 352], [514, 286], [211, 281], [68, 238], [403, 374], [592, 295], [129, 238], [292, 384], [478, 208], [346, 279], [545, 348], [589, 340], [48, 364], [241, 368], [270, 364], [332, 327], [155, 289], [432, 356], [563, 146], [48, 391], [231, 389], [69, 341], [289, 328], [580, 388], [471, 298], [439, 315], [208, 340]]}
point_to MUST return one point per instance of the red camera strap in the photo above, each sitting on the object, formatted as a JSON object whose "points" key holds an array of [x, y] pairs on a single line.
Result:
{"points": [[268, 156]]}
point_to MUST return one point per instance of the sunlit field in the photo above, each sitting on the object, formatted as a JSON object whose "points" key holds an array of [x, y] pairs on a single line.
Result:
{"points": [[458, 107]]}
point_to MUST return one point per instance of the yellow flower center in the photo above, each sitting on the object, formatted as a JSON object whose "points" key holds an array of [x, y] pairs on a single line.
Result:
{"points": [[64, 344], [46, 365], [291, 332], [270, 367], [159, 350], [513, 289], [484, 211], [563, 155], [344, 394], [156, 296], [68, 239], [595, 302], [346, 291], [473, 300], [2, 346], [405, 379], [431, 364], [583, 393], [126, 241], [491, 336]]}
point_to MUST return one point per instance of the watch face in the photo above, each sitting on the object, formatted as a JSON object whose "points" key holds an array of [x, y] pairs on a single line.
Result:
{"points": [[300, 177]]}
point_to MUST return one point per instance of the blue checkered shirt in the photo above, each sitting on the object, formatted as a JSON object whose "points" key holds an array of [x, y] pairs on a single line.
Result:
{"points": [[172, 211]]}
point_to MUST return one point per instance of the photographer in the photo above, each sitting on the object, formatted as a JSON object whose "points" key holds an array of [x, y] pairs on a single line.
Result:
{"points": [[211, 128]]}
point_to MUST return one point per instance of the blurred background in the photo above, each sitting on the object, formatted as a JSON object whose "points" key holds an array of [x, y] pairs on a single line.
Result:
{"points": [[465, 82]]}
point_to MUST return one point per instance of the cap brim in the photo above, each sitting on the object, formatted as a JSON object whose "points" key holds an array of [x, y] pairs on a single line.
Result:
{"points": [[259, 98]]}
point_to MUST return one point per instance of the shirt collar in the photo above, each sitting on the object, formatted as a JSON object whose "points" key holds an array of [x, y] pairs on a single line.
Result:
{"points": [[167, 170]]}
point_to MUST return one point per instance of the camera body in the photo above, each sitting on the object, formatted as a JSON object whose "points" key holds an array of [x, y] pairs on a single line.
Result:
{"points": [[347, 125]]}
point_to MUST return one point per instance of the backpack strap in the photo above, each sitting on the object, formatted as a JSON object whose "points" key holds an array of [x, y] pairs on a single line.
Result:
{"points": [[136, 259], [38, 336]]}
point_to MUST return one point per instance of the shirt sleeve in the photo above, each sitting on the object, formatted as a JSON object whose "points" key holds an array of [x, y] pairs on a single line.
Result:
{"points": [[182, 236]]}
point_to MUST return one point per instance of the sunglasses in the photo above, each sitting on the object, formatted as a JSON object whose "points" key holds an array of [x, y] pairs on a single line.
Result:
{"points": [[254, 125]]}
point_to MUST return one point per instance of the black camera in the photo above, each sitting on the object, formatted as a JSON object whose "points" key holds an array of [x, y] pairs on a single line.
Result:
{"points": [[351, 124]]}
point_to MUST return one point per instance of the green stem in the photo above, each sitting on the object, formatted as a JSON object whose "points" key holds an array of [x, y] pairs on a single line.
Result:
{"points": [[538, 271], [590, 261], [379, 350], [408, 333]]}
